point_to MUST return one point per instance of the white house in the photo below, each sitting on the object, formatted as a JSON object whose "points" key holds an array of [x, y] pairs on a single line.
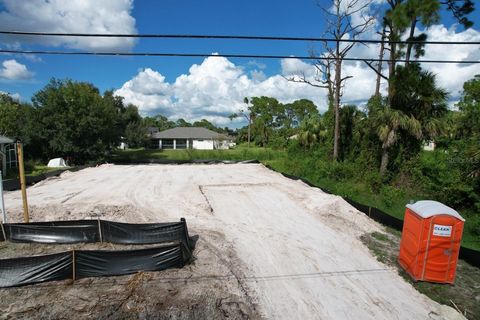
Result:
{"points": [[190, 138]]}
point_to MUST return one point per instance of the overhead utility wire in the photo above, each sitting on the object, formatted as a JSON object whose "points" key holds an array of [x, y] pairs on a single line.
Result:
{"points": [[232, 37], [255, 56]]}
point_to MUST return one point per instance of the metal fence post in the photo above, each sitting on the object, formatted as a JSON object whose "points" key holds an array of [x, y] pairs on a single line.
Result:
{"points": [[2, 203], [74, 269]]}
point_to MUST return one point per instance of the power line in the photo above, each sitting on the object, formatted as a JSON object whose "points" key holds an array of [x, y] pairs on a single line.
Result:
{"points": [[228, 37], [204, 55]]}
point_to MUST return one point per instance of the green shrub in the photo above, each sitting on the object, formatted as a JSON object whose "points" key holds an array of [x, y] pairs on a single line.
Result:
{"points": [[389, 195]]}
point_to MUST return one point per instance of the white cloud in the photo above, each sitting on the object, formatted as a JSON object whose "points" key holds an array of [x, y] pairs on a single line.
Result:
{"points": [[216, 87], [292, 67], [452, 76], [257, 64], [12, 70], [74, 16], [258, 75], [149, 91], [211, 90]]}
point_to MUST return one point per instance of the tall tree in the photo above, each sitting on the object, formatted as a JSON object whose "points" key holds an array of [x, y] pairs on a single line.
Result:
{"points": [[403, 16], [389, 122], [469, 123], [159, 121], [345, 18], [295, 112], [265, 112], [247, 114], [13, 117], [460, 10], [75, 120]]}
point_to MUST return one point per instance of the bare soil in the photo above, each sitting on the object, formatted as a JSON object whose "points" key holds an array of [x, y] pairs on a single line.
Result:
{"points": [[268, 247], [206, 289]]}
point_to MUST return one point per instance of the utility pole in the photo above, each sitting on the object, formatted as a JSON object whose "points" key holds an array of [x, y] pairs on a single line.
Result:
{"points": [[23, 184]]}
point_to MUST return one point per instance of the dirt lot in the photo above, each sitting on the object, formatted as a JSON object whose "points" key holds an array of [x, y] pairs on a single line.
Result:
{"points": [[268, 247]]}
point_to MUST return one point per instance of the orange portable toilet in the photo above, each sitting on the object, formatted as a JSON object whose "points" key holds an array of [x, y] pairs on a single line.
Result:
{"points": [[430, 243]]}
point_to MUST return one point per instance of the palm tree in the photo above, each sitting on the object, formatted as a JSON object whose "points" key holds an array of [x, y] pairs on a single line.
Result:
{"points": [[311, 131], [389, 122]]}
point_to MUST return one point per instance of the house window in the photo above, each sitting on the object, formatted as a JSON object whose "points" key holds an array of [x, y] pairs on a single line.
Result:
{"points": [[154, 144], [181, 143], [167, 143]]}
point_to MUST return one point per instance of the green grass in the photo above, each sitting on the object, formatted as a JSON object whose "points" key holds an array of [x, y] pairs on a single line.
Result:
{"points": [[40, 169], [31, 171], [241, 152]]}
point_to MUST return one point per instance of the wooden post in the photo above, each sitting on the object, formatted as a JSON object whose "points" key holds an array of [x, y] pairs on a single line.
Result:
{"points": [[23, 184]]}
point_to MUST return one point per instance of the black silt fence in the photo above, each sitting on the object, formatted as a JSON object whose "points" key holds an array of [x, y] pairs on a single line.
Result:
{"points": [[100, 263], [78, 264], [91, 231], [144, 233], [30, 270], [53, 232], [470, 255]]}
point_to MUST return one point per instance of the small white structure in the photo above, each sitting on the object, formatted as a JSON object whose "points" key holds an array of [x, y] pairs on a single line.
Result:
{"points": [[190, 138], [56, 163], [429, 145], [123, 146]]}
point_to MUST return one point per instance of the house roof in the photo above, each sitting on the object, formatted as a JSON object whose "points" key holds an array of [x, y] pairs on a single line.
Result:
{"points": [[4, 140], [189, 133]]}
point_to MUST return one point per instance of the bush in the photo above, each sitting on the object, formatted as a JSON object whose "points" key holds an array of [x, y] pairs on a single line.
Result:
{"points": [[374, 180], [389, 195], [442, 177], [341, 171]]}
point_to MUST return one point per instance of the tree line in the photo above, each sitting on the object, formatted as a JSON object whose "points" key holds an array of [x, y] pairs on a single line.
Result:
{"points": [[75, 121], [382, 141]]}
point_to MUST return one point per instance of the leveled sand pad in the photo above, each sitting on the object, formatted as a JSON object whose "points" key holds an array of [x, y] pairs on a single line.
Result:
{"points": [[293, 250]]}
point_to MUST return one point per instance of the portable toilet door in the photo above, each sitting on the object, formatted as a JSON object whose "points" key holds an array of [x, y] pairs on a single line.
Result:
{"points": [[431, 237]]}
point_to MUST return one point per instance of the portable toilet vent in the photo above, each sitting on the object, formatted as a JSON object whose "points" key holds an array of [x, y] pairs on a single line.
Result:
{"points": [[431, 237]]}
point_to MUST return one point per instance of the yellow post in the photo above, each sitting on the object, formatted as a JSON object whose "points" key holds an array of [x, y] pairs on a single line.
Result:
{"points": [[23, 184]]}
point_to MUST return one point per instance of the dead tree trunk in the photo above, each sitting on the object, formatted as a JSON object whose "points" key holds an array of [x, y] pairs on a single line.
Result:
{"points": [[380, 62]]}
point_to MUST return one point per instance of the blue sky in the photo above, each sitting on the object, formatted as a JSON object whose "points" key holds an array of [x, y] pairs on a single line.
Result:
{"points": [[156, 84]]}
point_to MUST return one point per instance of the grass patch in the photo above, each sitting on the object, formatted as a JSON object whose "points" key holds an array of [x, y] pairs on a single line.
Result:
{"points": [[239, 153], [464, 293], [32, 171], [381, 237]]}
